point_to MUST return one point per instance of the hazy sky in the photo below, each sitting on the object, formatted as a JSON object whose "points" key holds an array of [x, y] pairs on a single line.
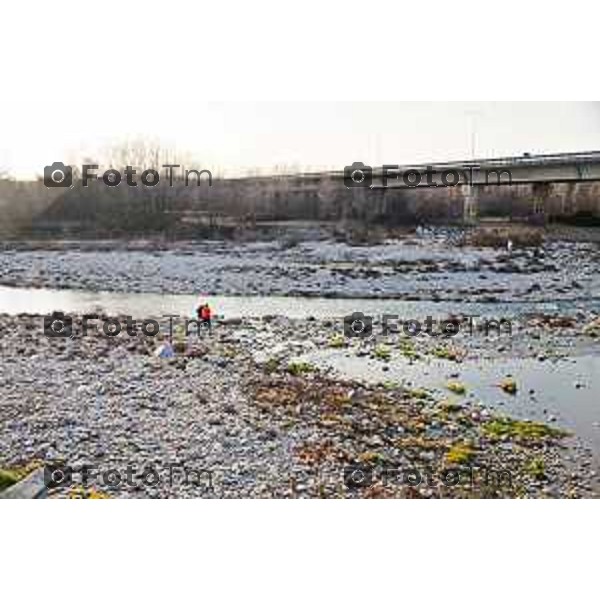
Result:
{"points": [[234, 137]]}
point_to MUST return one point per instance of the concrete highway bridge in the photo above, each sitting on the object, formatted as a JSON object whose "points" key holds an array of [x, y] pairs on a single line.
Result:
{"points": [[540, 171], [532, 187]]}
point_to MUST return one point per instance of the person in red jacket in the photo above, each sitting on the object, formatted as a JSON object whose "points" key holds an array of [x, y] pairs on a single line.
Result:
{"points": [[205, 316]]}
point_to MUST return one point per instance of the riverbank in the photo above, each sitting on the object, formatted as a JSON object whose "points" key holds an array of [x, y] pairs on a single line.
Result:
{"points": [[258, 412]]}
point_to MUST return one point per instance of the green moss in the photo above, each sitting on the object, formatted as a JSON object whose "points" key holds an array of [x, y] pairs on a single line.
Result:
{"points": [[271, 365], [419, 394], [509, 386], [391, 385], [228, 352], [337, 341], [460, 454], [382, 352], [300, 368], [371, 457], [523, 430], [457, 387], [536, 468], [441, 352], [449, 406], [446, 353], [407, 349], [8, 478], [82, 493]]}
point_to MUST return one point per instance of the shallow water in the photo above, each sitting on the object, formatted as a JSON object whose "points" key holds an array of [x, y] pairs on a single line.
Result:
{"points": [[42, 301], [553, 383]]}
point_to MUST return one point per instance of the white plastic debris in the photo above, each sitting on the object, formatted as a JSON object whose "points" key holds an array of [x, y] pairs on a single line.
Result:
{"points": [[164, 351]]}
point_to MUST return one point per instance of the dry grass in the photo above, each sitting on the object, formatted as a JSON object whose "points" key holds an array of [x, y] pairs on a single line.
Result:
{"points": [[497, 237]]}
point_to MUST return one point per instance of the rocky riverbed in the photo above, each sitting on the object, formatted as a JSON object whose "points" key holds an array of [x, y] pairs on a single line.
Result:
{"points": [[276, 406], [415, 268], [258, 409]]}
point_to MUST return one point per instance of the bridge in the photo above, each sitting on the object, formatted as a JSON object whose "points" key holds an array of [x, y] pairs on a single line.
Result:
{"points": [[545, 184], [539, 170]]}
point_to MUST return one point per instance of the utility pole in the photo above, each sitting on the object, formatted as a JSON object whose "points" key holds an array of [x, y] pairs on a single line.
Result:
{"points": [[470, 203]]}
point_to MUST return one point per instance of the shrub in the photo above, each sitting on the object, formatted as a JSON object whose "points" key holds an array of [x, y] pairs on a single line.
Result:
{"points": [[300, 368], [498, 237]]}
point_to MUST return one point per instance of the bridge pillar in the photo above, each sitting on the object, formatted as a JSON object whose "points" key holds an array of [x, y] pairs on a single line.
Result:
{"points": [[541, 192], [471, 204]]}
